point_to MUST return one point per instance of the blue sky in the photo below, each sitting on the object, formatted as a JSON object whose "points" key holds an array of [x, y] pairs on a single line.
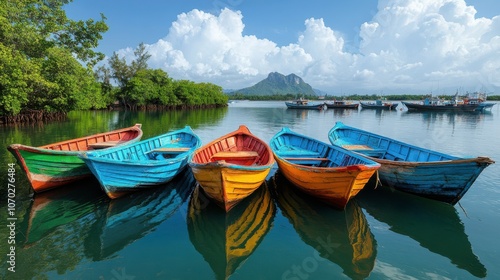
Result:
{"points": [[415, 46]]}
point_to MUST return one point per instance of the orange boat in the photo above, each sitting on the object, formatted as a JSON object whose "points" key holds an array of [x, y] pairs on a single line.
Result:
{"points": [[232, 167], [330, 173], [57, 164]]}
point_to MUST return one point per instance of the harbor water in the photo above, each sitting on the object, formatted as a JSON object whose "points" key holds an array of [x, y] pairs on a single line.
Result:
{"points": [[175, 232]]}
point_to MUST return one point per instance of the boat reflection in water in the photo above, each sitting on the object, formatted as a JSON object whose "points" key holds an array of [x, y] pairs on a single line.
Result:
{"points": [[49, 211], [434, 225], [54, 230], [130, 218], [321, 226], [226, 240]]}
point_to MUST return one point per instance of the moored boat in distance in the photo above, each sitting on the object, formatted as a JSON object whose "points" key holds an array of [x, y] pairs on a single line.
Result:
{"points": [[378, 104], [410, 168], [304, 104], [330, 173], [232, 166], [144, 164], [470, 103], [54, 165], [340, 104]]}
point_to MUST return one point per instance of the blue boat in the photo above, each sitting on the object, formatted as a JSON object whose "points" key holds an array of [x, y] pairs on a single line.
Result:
{"points": [[144, 164], [410, 168]]}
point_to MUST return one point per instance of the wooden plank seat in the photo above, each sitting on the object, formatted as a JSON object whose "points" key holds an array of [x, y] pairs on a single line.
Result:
{"points": [[103, 145], [223, 155], [170, 150], [305, 159]]}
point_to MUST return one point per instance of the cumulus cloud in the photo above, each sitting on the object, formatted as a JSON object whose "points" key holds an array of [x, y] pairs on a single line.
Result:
{"points": [[409, 45]]}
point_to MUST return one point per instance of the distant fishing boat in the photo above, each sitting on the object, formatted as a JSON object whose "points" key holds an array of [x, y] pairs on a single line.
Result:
{"points": [[304, 104], [330, 173], [232, 166], [57, 164], [471, 103], [410, 168], [144, 164], [338, 104], [378, 104]]}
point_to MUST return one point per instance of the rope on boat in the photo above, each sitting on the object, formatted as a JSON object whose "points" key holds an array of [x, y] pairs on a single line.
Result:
{"points": [[378, 182]]}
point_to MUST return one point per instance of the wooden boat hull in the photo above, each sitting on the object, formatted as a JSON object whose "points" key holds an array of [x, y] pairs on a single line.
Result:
{"points": [[342, 106], [57, 164], [365, 105], [232, 167], [292, 105], [329, 173], [410, 168], [459, 107], [144, 164]]}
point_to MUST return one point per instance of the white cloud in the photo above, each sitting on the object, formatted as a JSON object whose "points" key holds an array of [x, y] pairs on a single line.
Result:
{"points": [[416, 45]]}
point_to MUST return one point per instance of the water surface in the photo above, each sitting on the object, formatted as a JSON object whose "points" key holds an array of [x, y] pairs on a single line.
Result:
{"points": [[174, 232]]}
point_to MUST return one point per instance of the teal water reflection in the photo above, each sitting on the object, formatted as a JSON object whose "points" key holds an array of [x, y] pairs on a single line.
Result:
{"points": [[278, 233]]}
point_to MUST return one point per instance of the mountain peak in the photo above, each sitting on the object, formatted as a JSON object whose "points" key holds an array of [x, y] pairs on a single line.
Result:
{"points": [[277, 83]]}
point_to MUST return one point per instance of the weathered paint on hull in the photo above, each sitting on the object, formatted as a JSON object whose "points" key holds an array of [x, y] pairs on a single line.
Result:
{"points": [[446, 183], [333, 187], [144, 164], [119, 179], [411, 168], [228, 185], [57, 164], [48, 171]]}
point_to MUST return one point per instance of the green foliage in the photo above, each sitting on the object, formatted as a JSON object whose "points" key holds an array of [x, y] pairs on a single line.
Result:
{"points": [[41, 51], [140, 86]]}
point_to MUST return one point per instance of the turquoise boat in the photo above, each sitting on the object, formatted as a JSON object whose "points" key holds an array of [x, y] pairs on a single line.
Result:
{"points": [[144, 164], [413, 169]]}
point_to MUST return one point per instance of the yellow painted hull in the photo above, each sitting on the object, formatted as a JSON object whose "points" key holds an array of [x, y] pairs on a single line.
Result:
{"points": [[335, 186], [227, 184]]}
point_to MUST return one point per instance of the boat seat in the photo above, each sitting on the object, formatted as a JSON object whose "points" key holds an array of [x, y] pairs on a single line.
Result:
{"points": [[166, 152], [170, 150], [293, 153], [235, 154], [103, 145], [365, 150], [305, 159]]}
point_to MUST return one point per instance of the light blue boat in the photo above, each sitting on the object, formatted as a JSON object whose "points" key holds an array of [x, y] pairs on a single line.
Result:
{"points": [[145, 164], [410, 168]]}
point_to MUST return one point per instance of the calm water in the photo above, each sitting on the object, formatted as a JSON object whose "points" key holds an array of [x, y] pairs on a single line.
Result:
{"points": [[174, 232]]}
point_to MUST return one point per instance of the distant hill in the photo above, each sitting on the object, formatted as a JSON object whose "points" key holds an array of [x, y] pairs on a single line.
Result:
{"points": [[277, 83]]}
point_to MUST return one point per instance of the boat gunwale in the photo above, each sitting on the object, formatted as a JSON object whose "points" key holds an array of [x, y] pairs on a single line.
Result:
{"points": [[242, 130], [43, 149], [451, 158], [361, 167], [98, 155]]}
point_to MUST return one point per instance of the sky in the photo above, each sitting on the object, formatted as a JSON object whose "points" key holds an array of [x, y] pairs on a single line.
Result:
{"points": [[339, 47]]}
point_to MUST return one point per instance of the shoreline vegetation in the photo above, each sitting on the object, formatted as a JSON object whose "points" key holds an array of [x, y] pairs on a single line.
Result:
{"points": [[49, 68]]}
